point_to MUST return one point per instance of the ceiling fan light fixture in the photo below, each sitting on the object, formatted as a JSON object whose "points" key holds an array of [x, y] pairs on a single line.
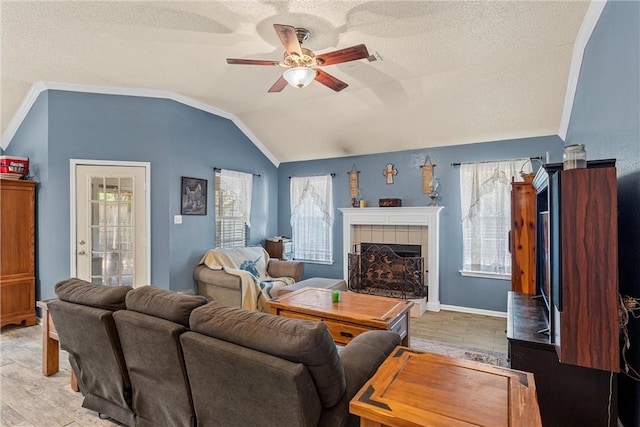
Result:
{"points": [[299, 76]]}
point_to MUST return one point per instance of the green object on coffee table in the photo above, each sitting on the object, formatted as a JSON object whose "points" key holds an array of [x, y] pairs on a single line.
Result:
{"points": [[335, 296]]}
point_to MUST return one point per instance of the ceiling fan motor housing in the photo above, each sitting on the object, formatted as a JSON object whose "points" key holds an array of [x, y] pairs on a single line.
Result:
{"points": [[303, 34], [308, 59]]}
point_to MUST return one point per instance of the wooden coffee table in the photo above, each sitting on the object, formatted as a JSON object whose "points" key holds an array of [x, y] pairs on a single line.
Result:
{"points": [[415, 388], [353, 315]]}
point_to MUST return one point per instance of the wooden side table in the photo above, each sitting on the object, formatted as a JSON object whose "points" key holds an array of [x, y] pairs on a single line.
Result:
{"points": [[51, 346], [279, 249], [414, 388], [353, 315]]}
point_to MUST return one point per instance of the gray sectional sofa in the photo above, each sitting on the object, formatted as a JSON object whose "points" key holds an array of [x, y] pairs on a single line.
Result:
{"points": [[148, 356]]}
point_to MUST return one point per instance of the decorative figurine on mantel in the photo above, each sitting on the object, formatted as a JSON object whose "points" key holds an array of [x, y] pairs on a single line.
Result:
{"points": [[389, 172]]}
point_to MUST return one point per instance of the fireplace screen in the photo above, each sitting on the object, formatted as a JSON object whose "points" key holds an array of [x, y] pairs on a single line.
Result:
{"points": [[379, 270]]}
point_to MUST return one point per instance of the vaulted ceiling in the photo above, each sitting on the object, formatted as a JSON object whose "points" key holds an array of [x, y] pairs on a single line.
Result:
{"points": [[444, 72]]}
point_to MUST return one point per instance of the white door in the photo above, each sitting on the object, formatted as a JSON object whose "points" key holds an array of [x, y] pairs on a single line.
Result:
{"points": [[111, 214]]}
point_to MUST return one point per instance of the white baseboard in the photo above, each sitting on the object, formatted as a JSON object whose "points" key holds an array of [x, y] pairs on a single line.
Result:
{"points": [[473, 310]]}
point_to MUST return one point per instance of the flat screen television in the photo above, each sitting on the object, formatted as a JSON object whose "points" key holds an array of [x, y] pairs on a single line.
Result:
{"points": [[543, 265], [544, 278]]}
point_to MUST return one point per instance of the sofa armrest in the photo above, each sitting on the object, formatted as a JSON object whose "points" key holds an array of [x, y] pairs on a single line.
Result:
{"points": [[218, 285], [363, 355], [280, 268]]}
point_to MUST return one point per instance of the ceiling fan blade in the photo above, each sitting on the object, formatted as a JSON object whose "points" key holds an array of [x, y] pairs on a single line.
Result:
{"points": [[280, 84], [343, 55], [330, 81], [289, 38], [251, 62]]}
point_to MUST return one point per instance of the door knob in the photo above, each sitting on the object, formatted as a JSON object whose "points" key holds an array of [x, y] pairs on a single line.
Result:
{"points": [[82, 253], [81, 242]]}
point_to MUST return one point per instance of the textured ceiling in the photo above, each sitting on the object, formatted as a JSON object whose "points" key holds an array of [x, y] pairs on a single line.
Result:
{"points": [[449, 72]]}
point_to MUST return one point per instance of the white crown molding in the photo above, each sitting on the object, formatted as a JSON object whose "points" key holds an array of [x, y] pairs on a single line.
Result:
{"points": [[584, 34], [23, 110], [38, 87]]}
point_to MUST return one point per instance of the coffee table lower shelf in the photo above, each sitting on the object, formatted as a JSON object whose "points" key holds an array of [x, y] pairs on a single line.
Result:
{"points": [[413, 388]]}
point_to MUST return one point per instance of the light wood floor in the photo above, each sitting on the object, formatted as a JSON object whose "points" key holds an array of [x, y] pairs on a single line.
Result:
{"points": [[472, 330], [30, 399]]}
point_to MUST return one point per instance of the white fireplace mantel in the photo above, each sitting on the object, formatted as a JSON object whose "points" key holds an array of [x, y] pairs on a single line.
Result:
{"points": [[428, 216]]}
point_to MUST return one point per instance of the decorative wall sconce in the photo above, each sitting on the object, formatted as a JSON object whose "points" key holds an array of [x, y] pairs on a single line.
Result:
{"points": [[430, 182]]}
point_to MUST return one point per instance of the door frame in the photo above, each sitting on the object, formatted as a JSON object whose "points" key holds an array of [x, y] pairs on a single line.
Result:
{"points": [[72, 208]]}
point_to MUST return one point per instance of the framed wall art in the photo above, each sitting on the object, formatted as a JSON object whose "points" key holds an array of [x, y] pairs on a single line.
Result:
{"points": [[194, 196]]}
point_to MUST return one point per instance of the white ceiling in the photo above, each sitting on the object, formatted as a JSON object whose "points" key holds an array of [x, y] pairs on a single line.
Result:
{"points": [[451, 72]]}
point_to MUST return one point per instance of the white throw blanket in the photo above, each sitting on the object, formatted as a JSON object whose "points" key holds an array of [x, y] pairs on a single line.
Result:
{"points": [[250, 264]]}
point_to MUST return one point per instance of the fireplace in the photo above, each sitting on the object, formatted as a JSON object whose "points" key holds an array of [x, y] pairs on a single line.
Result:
{"points": [[387, 269], [418, 225]]}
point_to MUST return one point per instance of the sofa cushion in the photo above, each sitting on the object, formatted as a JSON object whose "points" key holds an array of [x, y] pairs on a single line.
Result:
{"points": [[82, 292], [299, 341], [164, 304]]}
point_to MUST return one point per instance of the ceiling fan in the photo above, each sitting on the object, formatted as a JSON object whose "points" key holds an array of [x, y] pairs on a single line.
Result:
{"points": [[302, 64]]}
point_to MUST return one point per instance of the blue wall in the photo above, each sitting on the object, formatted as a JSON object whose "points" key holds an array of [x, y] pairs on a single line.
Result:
{"points": [[176, 139], [34, 132], [487, 294], [606, 118]]}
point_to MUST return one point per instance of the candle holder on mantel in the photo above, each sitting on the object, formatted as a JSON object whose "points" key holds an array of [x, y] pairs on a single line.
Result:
{"points": [[430, 183], [433, 195]]}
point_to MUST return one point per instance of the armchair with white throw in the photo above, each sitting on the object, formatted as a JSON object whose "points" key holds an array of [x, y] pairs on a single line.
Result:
{"points": [[244, 277]]}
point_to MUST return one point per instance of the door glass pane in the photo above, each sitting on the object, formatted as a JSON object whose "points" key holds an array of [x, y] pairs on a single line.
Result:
{"points": [[112, 232], [96, 263], [125, 213], [126, 263], [97, 237], [126, 189], [126, 238]]}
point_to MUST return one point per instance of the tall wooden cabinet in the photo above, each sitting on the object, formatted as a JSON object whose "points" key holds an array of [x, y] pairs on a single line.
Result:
{"points": [[568, 335], [17, 252], [522, 237], [583, 253]]}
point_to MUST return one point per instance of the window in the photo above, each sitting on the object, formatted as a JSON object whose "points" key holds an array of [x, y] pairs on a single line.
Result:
{"points": [[233, 207], [312, 218], [485, 202]]}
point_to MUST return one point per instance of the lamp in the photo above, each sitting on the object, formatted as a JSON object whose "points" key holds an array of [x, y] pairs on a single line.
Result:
{"points": [[299, 76]]}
